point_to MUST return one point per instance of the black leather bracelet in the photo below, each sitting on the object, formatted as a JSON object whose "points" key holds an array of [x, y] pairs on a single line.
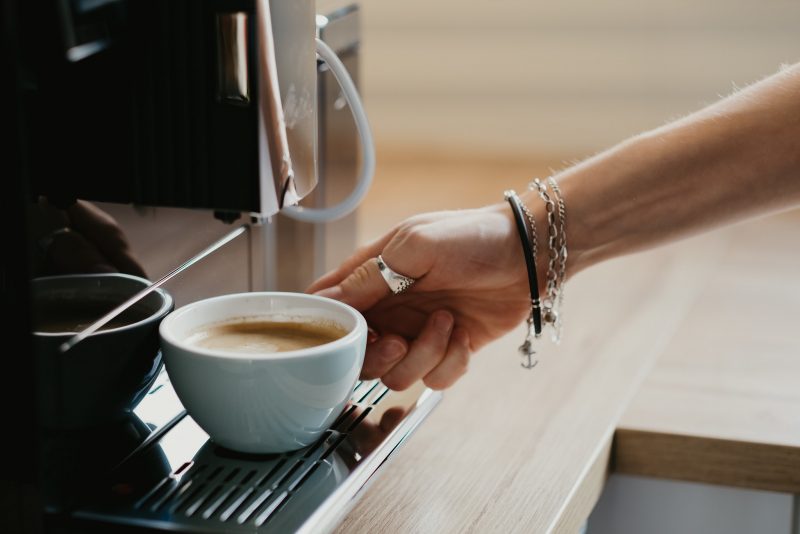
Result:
{"points": [[530, 258]]}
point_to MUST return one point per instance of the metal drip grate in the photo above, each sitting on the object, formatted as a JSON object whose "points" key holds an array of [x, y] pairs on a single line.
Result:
{"points": [[230, 490], [217, 490], [238, 489]]}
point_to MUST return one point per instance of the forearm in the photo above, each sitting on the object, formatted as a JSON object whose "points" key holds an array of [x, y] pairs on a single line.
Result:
{"points": [[735, 159]]}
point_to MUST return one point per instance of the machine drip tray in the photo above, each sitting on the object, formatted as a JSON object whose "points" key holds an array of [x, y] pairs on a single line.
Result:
{"points": [[181, 481]]}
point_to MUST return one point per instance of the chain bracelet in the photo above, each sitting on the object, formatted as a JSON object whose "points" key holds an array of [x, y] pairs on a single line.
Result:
{"points": [[562, 249], [547, 308], [527, 346], [550, 302], [531, 228]]}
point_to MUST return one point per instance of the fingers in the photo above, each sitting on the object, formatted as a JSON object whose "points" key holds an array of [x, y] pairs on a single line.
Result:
{"points": [[105, 234], [454, 364], [439, 362], [425, 353], [361, 255], [408, 249], [411, 253], [391, 418], [382, 355], [367, 435], [70, 253], [361, 289]]}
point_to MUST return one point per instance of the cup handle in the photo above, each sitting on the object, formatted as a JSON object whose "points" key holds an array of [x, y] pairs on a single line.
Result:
{"points": [[367, 171]]}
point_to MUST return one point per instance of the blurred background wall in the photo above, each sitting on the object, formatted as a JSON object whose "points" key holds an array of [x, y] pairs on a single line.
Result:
{"points": [[470, 97], [558, 78]]}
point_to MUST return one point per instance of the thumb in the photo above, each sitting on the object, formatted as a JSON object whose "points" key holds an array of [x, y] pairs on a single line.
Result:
{"points": [[361, 289]]}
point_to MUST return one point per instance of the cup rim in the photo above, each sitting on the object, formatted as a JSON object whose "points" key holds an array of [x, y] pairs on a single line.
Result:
{"points": [[352, 336], [167, 303]]}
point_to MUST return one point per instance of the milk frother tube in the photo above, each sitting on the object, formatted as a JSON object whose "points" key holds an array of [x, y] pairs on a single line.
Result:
{"points": [[271, 108]]}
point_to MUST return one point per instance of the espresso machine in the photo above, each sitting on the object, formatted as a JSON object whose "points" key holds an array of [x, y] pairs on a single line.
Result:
{"points": [[206, 147]]}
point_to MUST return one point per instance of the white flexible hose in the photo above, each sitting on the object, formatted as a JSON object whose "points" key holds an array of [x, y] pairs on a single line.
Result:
{"points": [[346, 206]]}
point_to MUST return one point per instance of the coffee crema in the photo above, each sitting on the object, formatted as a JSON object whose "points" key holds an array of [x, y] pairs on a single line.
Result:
{"points": [[262, 336], [58, 316]]}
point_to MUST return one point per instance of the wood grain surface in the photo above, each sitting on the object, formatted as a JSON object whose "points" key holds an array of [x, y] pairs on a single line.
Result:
{"points": [[722, 405], [511, 450]]}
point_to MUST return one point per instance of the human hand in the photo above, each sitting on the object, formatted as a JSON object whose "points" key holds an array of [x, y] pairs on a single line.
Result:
{"points": [[87, 240], [471, 288]]}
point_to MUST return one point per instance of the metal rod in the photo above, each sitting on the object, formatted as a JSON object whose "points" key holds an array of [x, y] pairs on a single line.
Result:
{"points": [[152, 438], [95, 326]]}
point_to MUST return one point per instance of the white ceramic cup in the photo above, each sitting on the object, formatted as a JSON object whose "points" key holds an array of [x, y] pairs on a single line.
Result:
{"points": [[264, 403]]}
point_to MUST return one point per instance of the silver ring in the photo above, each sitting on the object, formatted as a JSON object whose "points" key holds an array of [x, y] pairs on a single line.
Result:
{"points": [[396, 282]]}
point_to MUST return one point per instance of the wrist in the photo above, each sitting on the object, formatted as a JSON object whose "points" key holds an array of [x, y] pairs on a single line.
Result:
{"points": [[597, 203], [508, 253], [542, 238], [581, 237], [632, 196], [537, 209]]}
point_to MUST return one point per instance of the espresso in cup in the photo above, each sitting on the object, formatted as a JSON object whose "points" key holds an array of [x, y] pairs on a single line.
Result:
{"points": [[264, 372], [71, 315], [262, 336]]}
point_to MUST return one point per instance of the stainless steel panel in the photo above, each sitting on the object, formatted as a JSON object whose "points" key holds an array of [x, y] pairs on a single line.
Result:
{"points": [[317, 248], [184, 482], [339, 148], [233, 84], [295, 50], [162, 238]]}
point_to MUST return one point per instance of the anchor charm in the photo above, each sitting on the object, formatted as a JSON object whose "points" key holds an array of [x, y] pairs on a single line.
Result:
{"points": [[526, 349]]}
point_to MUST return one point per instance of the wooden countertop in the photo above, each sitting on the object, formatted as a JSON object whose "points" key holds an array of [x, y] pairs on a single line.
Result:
{"points": [[722, 405], [529, 451]]}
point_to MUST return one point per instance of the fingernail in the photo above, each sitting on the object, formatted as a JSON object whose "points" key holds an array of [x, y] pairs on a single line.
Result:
{"points": [[392, 350], [334, 292], [443, 322]]}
